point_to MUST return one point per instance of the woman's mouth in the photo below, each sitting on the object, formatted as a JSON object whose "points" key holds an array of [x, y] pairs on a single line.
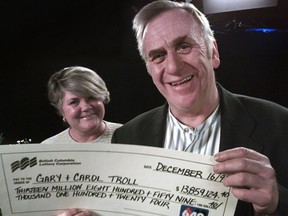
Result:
{"points": [[92, 115]]}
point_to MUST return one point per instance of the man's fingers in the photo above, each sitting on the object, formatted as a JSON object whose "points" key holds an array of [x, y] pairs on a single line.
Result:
{"points": [[239, 153]]}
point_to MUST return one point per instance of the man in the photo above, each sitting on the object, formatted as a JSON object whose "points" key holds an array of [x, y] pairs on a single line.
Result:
{"points": [[247, 136]]}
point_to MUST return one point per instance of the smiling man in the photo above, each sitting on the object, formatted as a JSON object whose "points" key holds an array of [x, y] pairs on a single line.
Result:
{"points": [[247, 136]]}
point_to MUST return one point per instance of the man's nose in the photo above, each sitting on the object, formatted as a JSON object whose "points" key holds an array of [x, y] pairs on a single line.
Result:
{"points": [[173, 63]]}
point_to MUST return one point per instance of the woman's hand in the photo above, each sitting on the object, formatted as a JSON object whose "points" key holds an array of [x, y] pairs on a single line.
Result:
{"points": [[75, 212]]}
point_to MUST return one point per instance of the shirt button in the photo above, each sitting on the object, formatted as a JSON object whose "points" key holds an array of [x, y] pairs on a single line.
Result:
{"points": [[186, 130]]}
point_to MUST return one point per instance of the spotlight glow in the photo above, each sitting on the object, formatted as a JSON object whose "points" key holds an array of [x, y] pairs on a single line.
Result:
{"points": [[218, 6]]}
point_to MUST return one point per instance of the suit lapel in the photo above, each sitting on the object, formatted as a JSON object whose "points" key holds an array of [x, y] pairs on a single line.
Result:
{"points": [[153, 131], [236, 124]]}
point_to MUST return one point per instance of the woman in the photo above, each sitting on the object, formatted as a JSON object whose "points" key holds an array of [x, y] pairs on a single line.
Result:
{"points": [[79, 95]]}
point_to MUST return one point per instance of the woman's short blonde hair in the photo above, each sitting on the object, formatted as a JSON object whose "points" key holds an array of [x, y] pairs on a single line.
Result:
{"points": [[79, 80]]}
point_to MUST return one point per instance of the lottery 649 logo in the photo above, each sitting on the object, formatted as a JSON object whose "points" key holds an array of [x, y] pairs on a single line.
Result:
{"points": [[193, 211]]}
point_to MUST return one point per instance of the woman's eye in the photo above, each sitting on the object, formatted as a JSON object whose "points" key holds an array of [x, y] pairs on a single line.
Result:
{"points": [[91, 99], [73, 103]]}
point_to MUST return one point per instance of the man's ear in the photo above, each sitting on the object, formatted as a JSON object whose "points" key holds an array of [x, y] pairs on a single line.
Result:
{"points": [[215, 55]]}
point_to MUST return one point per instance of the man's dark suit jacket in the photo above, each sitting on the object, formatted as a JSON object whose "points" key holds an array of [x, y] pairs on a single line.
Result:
{"points": [[245, 121]]}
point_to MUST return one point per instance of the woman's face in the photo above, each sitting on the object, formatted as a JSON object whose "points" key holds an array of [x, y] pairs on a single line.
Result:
{"points": [[84, 115]]}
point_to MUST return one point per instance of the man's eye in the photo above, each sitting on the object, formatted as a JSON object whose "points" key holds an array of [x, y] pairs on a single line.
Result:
{"points": [[158, 58], [184, 48]]}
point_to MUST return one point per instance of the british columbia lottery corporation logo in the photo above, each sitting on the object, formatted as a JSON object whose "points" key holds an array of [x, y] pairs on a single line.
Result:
{"points": [[193, 211], [23, 163], [27, 162]]}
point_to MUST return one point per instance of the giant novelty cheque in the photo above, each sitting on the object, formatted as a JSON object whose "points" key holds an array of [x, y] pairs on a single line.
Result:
{"points": [[110, 179]]}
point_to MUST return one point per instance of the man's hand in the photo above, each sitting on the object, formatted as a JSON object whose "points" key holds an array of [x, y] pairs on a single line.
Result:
{"points": [[251, 177]]}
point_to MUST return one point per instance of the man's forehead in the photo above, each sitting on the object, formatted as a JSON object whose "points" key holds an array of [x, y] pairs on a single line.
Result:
{"points": [[169, 26]]}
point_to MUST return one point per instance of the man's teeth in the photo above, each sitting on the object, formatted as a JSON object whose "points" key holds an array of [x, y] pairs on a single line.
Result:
{"points": [[182, 81]]}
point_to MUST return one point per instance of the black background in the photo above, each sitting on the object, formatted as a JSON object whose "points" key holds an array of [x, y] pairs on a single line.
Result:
{"points": [[41, 37]]}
